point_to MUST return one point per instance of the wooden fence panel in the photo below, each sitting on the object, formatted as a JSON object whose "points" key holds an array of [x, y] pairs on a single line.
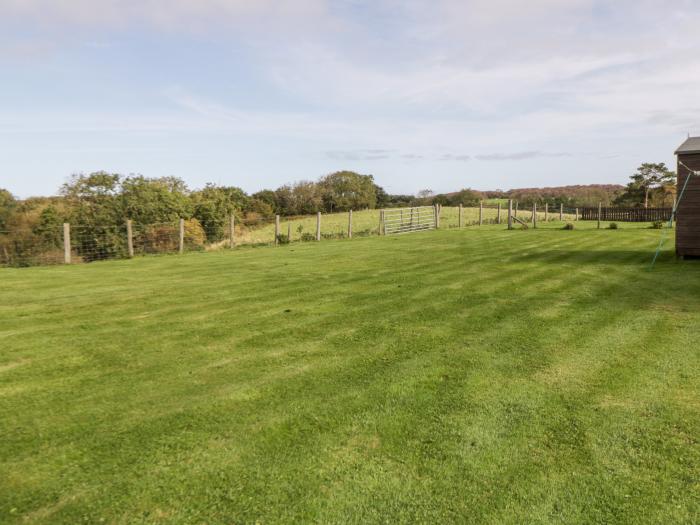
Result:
{"points": [[626, 214]]}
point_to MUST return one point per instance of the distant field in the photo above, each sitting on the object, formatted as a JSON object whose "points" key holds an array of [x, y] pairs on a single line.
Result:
{"points": [[464, 376], [366, 222]]}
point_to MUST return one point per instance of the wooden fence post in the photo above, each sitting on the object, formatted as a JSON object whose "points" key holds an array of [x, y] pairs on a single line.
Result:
{"points": [[436, 207], [534, 215], [129, 238], [498, 214], [546, 211], [318, 226], [381, 220], [510, 214], [350, 224], [481, 213], [600, 209], [181, 248], [232, 230], [515, 213], [277, 229], [461, 210], [576, 218], [66, 243], [289, 231], [561, 212]]}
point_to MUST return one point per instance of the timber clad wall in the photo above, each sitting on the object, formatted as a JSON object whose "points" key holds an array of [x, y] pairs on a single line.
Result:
{"points": [[688, 212], [627, 214]]}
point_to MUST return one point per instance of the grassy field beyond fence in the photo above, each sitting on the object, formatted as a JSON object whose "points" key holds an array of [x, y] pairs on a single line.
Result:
{"points": [[457, 376], [366, 222]]}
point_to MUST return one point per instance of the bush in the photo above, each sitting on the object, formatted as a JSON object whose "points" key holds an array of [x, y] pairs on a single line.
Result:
{"points": [[195, 237], [305, 237], [612, 226], [657, 225], [282, 239], [568, 226]]}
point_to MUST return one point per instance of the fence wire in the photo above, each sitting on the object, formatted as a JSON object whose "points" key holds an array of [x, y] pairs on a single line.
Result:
{"points": [[89, 243]]}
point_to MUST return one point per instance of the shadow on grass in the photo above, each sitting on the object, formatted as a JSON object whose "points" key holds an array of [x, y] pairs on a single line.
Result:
{"points": [[602, 257]]}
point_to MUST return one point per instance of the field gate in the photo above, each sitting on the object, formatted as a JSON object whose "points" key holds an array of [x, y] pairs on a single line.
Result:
{"points": [[407, 220]]}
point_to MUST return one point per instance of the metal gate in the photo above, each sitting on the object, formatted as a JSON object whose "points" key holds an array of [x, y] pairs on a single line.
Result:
{"points": [[407, 220]]}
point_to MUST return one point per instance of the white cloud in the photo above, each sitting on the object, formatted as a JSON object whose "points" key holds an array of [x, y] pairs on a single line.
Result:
{"points": [[170, 14], [457, 80]]}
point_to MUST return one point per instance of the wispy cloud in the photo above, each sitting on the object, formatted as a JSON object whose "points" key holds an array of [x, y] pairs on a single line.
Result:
{"points": [[457, 157], [520, 155], [367, 154], [444, 83]]}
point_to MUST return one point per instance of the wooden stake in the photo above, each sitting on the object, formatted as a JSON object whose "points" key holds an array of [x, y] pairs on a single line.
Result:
{"points": [[318, 226], [277, 229], [461, 211], [66, 243], [534, 215], [498, 214], [510, 214], [481, 213], [232, 231], [289, 232], [182, 236], [129, 238], [350, 224], [561, 212], [600, 209], [546, 211]]}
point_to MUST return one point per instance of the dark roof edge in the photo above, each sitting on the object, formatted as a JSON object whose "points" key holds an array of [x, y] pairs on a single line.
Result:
{"points": [[686, 152]]}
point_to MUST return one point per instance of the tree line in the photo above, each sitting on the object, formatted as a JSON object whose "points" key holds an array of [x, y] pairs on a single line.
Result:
{"points": [[99, 202]]}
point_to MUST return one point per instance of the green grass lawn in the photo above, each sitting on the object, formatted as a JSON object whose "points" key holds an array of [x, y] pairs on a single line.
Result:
{"points": [[477, 375]]}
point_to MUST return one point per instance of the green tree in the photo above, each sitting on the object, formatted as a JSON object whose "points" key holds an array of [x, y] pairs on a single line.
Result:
{"points": [[96, 214], [306, 198], [259, 207], [94, 199], [8, 203], [651, 176], [383, 198], [213, 205], [152, 200], [50, 227], [465, 197], [268, 197], [345, 190]]}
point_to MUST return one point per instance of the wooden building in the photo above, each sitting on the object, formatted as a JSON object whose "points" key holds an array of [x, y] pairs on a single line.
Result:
{"points": [[688, 211]]}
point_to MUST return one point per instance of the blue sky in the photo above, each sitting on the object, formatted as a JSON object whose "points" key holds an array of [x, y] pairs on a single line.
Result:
{"points": [[440, 94]]}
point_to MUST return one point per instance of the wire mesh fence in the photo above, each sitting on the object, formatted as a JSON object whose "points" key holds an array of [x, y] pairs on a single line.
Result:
{"points": [[86, 243], [27, 247]]}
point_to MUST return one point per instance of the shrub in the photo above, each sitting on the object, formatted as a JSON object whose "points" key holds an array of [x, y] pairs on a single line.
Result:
{"points": [[195, 237], [305, 237], [568, 226], [282, 239], [657, 225], [612, 226], [333, 235]]}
